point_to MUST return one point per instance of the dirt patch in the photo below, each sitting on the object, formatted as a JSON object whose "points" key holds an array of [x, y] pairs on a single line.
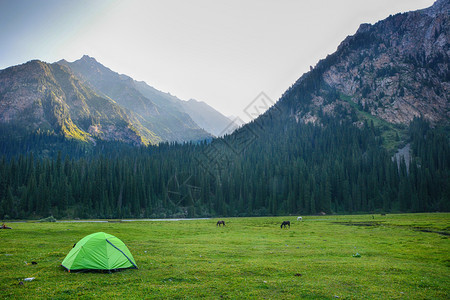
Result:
{"points": [[431, 231], [366, 224], [377, 223]]}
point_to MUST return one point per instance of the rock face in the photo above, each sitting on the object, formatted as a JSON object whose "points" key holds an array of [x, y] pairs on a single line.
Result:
{"points": [[396, 69], [48, 97]]}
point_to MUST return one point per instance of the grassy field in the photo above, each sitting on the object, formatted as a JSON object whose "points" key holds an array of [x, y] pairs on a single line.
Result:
{"points": [[328, 257]]}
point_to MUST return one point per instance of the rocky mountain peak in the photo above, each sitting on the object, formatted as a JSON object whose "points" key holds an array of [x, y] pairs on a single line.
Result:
{"points": [[394, 70], [48, 97], [87, 59], [439, 7], [364, 27]]}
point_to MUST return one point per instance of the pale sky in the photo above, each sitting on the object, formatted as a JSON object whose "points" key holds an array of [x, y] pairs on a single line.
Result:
{"points": [[224, 53]]}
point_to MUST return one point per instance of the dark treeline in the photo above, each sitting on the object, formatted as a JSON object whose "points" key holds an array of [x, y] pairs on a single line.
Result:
{"points": [[287, 168]]}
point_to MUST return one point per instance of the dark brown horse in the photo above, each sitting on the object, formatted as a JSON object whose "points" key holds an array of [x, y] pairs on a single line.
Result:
{"points": [[285, 223], [220, 223]]}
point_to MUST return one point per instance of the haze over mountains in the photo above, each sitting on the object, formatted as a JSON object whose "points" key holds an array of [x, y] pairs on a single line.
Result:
{"points": [[85, 100], [207, 117]]}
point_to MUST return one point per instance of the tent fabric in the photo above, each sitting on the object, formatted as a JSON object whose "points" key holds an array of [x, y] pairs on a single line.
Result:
{"points": [[99, 251]]}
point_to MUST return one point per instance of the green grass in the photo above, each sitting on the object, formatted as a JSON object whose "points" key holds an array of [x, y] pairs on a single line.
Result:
{"points": [[394, 135], [402, 257]]}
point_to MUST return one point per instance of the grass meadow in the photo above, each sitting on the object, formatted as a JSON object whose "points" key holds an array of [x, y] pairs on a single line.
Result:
{"points": [[405, 256]]}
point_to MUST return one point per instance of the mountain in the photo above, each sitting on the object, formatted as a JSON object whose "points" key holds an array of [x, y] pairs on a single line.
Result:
{"points": [[201, 113], [391, 72], [48, 97], [208, 118], [85, 100], [155, 110]]}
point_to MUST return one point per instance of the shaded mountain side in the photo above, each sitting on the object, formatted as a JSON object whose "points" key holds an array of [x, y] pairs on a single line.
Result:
{"points": [[201, 113], [208, 118], [172, 116], [48, 97], [151, 107]]}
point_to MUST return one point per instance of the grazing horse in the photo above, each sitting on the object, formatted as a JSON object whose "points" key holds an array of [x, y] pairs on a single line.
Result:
{"points": [[220, 223], [299, 218], [285, 223]]}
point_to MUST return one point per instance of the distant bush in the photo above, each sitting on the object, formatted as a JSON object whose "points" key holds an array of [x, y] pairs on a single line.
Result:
{"points": [[48, 219]]}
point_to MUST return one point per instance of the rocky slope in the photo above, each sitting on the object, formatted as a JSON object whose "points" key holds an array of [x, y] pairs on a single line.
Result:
{"points": [[394, 70], [48, 97]]}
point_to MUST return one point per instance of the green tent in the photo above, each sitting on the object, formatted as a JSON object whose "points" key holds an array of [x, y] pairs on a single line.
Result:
{"points": [[99, 251]]}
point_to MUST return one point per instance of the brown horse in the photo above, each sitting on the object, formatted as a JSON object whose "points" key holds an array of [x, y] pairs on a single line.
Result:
{"points": [[285, 223], [220, 223]]}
